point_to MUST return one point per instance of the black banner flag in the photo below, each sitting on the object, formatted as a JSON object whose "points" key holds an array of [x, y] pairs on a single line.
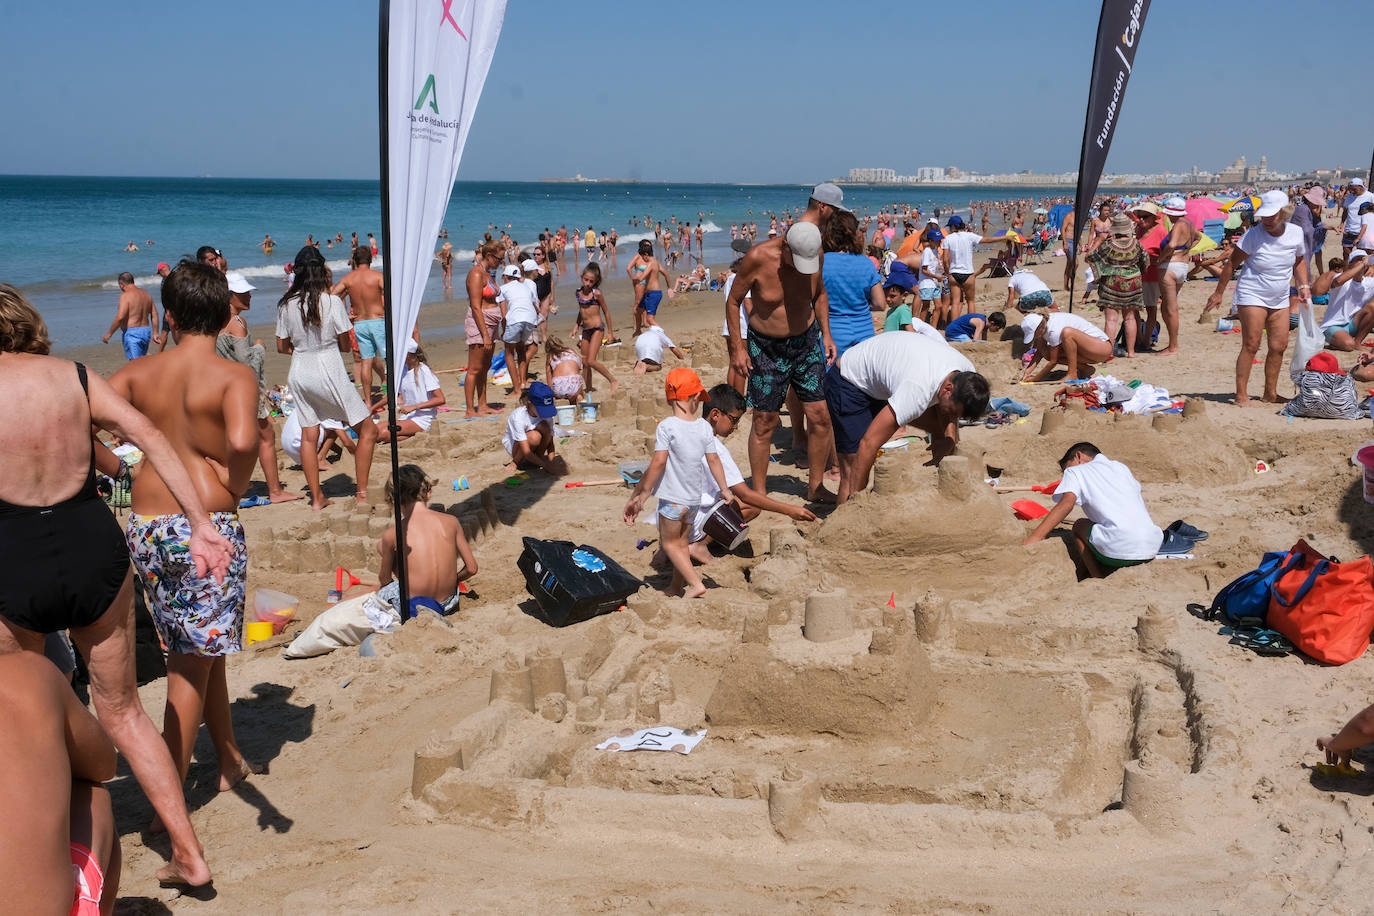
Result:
{"points": [[1118, 37]]}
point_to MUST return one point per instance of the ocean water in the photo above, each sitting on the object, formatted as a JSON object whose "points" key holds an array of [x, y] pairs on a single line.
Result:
{"points": [[64, 237]]}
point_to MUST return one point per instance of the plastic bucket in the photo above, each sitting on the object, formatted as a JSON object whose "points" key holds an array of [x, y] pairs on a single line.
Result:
{"points": [[589, 412], [567, 415], [275, 608], [726, 525], [1365, 457], [256, 631]]}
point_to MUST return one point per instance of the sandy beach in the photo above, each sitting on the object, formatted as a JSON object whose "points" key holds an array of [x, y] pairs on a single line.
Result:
{"points": [[1002, 739]]}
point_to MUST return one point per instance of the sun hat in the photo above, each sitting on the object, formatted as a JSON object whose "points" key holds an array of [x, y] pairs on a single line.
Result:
{"points": [[541, 396], [804, 240], [1028, 326], [238, 283], [1146, 206], [1271, 202], [1174, 206], [684, 385], [1356, 253], [412, 346], [512, 270], [1122, 225], [829, 193], [1316, 196]]}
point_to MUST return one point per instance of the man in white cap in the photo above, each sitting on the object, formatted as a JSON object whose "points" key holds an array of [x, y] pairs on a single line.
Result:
{"points": [[1356, 193], [364, 290], [1173, 265], [789, 345]]}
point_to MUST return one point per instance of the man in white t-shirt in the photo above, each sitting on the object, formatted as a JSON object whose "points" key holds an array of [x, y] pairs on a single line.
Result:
{"points": [[649, 347], [956, 253], [1068, 339], [1118, 530], [1356, 194], [886, 382], [1350, 315], [1028, 292]]}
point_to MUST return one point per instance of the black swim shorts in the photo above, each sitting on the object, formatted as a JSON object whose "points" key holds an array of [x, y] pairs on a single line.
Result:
{"points": [[780, 361]]}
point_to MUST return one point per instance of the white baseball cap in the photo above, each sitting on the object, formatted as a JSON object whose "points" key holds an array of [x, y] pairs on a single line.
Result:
{"points": [[1174, 206], [1271, 202], [238, 283], [804, 241], [512, 270], [1357, 181], [412, 346], [529, 265], [1028, 326]]}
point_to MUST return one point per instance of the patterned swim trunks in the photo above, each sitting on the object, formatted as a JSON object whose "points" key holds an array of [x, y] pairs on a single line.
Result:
{"points": [[194, 616], [779, 361]]}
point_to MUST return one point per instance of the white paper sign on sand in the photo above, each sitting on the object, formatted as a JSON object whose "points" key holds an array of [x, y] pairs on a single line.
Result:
{"points": [[658, 738]]}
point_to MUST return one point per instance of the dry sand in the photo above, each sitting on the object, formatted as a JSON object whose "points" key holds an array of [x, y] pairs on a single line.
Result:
{"points": [[1003, 740]]}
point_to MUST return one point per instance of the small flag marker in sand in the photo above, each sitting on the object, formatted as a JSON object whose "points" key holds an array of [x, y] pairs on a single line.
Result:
{"points": [[892, 602]]}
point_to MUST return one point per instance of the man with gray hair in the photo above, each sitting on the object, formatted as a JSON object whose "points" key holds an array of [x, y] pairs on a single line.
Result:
{"points": [[789, 344]]}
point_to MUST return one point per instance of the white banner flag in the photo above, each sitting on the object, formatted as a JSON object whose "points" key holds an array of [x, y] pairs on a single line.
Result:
{"points": [[438, 54]]}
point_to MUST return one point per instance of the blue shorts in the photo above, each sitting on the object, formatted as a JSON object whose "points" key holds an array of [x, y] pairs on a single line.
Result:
{"points": [[957, 338], [929, 295], [1348, 327], [1040, 299], [851, 411], [521, 332], [674, 512], [371, 334], [136, 342], [650, 301]]}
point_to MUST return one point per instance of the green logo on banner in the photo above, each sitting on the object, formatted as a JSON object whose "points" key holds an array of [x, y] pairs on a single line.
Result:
{"points": [[430, 93]]}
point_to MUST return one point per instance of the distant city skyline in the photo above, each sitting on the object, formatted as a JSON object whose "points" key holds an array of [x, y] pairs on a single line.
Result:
{"points": [[708, 92]]}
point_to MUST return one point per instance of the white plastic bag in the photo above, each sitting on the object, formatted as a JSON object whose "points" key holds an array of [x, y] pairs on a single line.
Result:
{"points": [[1310, 340]]}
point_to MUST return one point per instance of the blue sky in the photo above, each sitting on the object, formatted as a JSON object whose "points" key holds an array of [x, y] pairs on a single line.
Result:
{"points": [[737, 91]]}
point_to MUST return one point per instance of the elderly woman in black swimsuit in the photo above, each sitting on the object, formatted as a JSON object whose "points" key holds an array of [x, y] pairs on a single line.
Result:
{"points": [[63, 558]]}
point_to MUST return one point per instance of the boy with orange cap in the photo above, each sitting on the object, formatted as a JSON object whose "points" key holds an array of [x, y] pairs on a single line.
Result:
{"points": [[681, 442]]}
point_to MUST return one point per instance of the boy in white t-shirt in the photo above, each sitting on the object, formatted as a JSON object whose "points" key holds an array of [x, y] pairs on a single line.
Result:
{"points": [[1118, 530], [682, 443], [529, 432], [649, 347], [521, 302]]}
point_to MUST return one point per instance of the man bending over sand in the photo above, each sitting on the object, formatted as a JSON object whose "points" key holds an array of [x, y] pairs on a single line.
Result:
{"points": [[789, 346], [434, 546], [1118, 530], [889, 381], [207, 408]]}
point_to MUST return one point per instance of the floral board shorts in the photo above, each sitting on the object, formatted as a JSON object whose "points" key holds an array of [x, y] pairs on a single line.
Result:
{"points": [[193, 616], [780, 361]]}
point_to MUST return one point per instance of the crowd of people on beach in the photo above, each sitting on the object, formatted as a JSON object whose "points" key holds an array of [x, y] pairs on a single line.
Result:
{"points": [[848, 322]]}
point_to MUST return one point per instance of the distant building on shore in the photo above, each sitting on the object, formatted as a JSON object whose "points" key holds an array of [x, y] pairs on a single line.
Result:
{"points": [[873, 176]]}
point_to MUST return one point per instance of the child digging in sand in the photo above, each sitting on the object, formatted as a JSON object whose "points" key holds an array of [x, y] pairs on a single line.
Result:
{"points": [[529, 432], [1118, 530], [681, 443], [435, 545]]}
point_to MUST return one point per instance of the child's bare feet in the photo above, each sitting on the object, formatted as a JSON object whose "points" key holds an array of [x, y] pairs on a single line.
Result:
{"points": [[694, 591], [235, 773]]}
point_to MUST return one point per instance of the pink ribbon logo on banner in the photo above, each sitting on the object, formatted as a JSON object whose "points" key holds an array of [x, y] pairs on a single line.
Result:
{"points": [[448, 17]]}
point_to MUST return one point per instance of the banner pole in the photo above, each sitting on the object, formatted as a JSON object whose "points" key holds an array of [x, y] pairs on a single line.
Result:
{"points": [[384, 120], [1083, 152]]}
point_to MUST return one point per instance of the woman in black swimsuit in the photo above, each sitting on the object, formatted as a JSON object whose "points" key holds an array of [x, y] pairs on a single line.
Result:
{"points": [[63, 558]]}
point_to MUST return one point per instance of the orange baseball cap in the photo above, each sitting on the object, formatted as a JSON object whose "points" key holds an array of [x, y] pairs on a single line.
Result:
{"points": [[684, 385]]}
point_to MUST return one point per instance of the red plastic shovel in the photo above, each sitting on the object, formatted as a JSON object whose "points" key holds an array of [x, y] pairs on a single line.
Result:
{"points": [[1027, 509]]}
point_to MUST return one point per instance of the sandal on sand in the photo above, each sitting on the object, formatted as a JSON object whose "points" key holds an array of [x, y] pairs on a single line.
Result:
{"points": [[1264, 642]]}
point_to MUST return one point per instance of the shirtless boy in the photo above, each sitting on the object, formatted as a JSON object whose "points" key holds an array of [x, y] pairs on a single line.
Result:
{"points": [[206, 406], [434, 547], [789, 346], [644, 271], [363, 288], [135, 317]]}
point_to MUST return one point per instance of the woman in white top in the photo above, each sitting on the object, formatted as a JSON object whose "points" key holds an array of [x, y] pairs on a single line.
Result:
{"points": [[1274, 253], [313, 326]]}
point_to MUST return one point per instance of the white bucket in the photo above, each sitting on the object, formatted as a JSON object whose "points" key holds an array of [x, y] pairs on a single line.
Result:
{"points": [[567, 414]]}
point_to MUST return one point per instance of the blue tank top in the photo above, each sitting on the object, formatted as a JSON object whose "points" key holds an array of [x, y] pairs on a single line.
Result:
{"points": [[963, 326]]}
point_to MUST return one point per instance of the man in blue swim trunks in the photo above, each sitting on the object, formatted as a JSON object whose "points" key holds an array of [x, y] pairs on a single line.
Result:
{"points": [[364, 288], [644, 271], [789, 346], [135, 317]]}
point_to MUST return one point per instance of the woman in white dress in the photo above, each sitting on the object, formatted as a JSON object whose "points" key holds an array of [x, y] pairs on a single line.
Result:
{"points": [[313, 327]]}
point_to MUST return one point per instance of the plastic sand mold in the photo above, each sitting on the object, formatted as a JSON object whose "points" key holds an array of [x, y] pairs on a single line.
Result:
{"points": [[658, 738]]}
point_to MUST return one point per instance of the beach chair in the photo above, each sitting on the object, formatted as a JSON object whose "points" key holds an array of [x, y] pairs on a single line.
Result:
{"points": [[1214, 229]]}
